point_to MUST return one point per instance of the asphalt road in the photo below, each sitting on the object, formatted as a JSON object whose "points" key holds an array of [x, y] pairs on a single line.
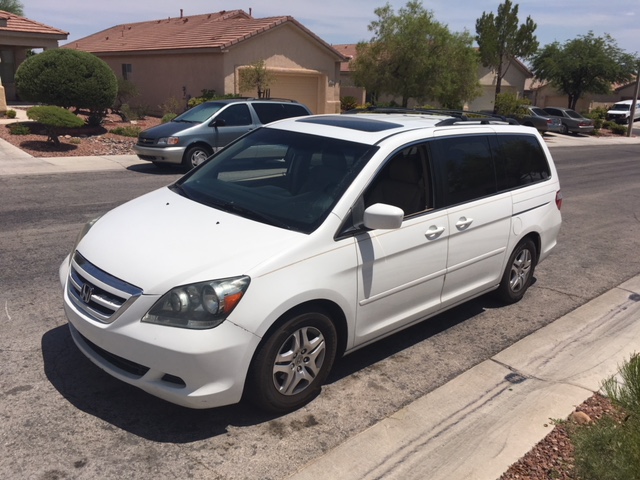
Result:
{"points": [[61, 417]]}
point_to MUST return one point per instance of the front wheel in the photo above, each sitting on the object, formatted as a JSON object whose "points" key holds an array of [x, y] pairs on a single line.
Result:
{"points": [[194, 156], [292, 363], [518, 275]]}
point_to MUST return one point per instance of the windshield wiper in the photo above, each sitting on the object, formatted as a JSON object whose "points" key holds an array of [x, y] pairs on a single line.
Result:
{"points": [[232, 207]]}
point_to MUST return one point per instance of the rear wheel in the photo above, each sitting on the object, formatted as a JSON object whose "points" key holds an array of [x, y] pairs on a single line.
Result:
{"points": [[518, 275], [194, 156], [564, 129], [290, 366]]}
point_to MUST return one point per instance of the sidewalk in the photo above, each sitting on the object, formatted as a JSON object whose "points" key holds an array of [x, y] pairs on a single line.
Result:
{"points": [[478, 424]]}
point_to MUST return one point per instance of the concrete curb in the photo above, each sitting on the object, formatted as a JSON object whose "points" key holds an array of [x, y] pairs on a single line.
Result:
{"points": [[478, 424]]}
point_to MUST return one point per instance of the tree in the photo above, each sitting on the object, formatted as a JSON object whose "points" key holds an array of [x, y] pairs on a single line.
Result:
{"points": [[67, 78], [255, 77], [54, 118], [12, 6], [586, 64], [411, 55], [500, 39]]}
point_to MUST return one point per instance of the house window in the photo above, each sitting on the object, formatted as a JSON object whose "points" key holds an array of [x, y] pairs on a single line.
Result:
{"points": [[126, 71]]}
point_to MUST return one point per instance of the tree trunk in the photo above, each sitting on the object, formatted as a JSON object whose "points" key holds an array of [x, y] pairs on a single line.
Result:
{"points": [[498, 87]]}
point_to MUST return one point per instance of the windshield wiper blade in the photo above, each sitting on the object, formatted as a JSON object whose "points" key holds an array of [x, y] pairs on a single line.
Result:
{"points": [[248, 213]]}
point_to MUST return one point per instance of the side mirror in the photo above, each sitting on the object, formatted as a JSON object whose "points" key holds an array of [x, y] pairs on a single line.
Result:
{"points": [[381, 216], [218, 122]]}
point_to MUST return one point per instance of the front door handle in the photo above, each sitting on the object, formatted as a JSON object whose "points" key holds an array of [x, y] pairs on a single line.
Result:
{"points": [[463, 223], [434, 232]]}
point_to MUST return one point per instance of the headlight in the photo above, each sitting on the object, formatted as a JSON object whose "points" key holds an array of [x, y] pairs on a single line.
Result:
{"points": [[198, 305], [169, 141], [85, 229]]}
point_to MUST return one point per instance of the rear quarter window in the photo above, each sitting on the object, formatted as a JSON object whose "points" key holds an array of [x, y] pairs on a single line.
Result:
{"points": [[520, 161]]}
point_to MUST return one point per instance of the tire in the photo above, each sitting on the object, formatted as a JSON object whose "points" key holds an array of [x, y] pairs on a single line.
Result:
{"points": [[564, 129], [291, 364], [518, 275], [194, 156]]}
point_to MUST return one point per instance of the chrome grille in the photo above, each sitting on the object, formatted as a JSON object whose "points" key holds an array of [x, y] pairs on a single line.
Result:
{"points": [[96, 293], [145, 141]]}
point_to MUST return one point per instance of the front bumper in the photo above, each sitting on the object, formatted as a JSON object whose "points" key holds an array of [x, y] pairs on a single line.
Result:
{"points": [[192, 368], [160, 155]]}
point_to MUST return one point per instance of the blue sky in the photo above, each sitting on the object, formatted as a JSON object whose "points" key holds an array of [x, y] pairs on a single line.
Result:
{"points": [[346, 21]]}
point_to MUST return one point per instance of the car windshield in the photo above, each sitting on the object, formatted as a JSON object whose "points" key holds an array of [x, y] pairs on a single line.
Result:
{"points": [[623, 107], [287, 179], [199, 114]]}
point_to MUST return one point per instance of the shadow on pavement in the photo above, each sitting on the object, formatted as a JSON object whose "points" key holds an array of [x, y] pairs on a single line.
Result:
{"points": [[151, 169], [91, 390]]}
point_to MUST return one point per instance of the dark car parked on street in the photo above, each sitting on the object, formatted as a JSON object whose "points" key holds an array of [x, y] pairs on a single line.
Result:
{"points": [[536, 117], [572, 121]]}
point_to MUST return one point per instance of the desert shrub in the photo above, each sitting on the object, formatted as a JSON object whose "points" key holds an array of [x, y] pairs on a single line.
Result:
{"points": [[54, 118], [19, 129], [617, 128], [129, 131], [11, 113], [208, 95], [348, 103], [134, 112], [172, 105], [126, 91], [168, 117], [67, 78]]}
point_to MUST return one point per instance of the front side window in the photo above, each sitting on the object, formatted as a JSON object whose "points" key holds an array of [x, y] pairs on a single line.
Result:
{"points": [[466, 168], [286, 179], [235, 116], [200, 113], [403, 182]]}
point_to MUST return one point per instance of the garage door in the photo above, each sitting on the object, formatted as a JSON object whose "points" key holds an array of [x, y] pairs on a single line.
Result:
{"points": [[303, 88]]}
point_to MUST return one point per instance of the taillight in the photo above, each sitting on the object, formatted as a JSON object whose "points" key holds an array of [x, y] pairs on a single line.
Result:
{"points": [[559, 199], [550, 121]]}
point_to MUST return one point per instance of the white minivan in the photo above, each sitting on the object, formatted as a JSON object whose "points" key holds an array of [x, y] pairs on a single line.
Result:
{"points": [[621, 111], [305, 240]]}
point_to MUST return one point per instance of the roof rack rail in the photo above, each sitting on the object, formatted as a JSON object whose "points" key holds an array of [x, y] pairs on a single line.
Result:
{"points": [[457, 115]]}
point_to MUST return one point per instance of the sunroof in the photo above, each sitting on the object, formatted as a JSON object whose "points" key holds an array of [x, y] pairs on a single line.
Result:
{"points": [[351, 121]]}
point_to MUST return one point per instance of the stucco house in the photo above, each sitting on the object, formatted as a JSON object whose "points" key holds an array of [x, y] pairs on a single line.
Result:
{"points": [[18, 35], [177, 58], [514, 81]]}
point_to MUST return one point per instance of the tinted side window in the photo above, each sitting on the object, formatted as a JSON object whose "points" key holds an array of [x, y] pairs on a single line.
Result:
{"points": [[521, 161], [269, 112], [236, 116], [293, 110], [466, 168]]}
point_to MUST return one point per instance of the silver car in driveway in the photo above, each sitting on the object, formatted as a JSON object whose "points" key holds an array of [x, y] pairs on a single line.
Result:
{"points": [[572, 121], [190, 138], [539, 119]]}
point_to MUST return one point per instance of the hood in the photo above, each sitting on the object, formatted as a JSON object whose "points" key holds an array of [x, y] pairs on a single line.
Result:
{"points": [[167, 129], [162, 240]]}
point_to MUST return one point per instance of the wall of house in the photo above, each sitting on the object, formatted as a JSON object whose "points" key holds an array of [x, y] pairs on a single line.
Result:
{"points": [[169, 77], [297, 61], [513, 81]]}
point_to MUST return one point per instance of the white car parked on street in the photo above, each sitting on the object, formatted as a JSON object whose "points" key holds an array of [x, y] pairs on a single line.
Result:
{"points": [[621, 111], [305, 240]]}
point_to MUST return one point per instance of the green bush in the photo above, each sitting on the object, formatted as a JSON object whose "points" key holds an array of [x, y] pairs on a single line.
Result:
{"points": [[348, 103], [127, 131], [168, 117], [54, 118], [11, 113], [617, 128], [208, 95], [509, 105], [67, 78], [19, 129], [135, 112]]}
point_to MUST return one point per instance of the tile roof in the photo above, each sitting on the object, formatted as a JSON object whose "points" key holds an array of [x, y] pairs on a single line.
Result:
{"points": [[15, 23], [214, 30], [349, 51]]}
